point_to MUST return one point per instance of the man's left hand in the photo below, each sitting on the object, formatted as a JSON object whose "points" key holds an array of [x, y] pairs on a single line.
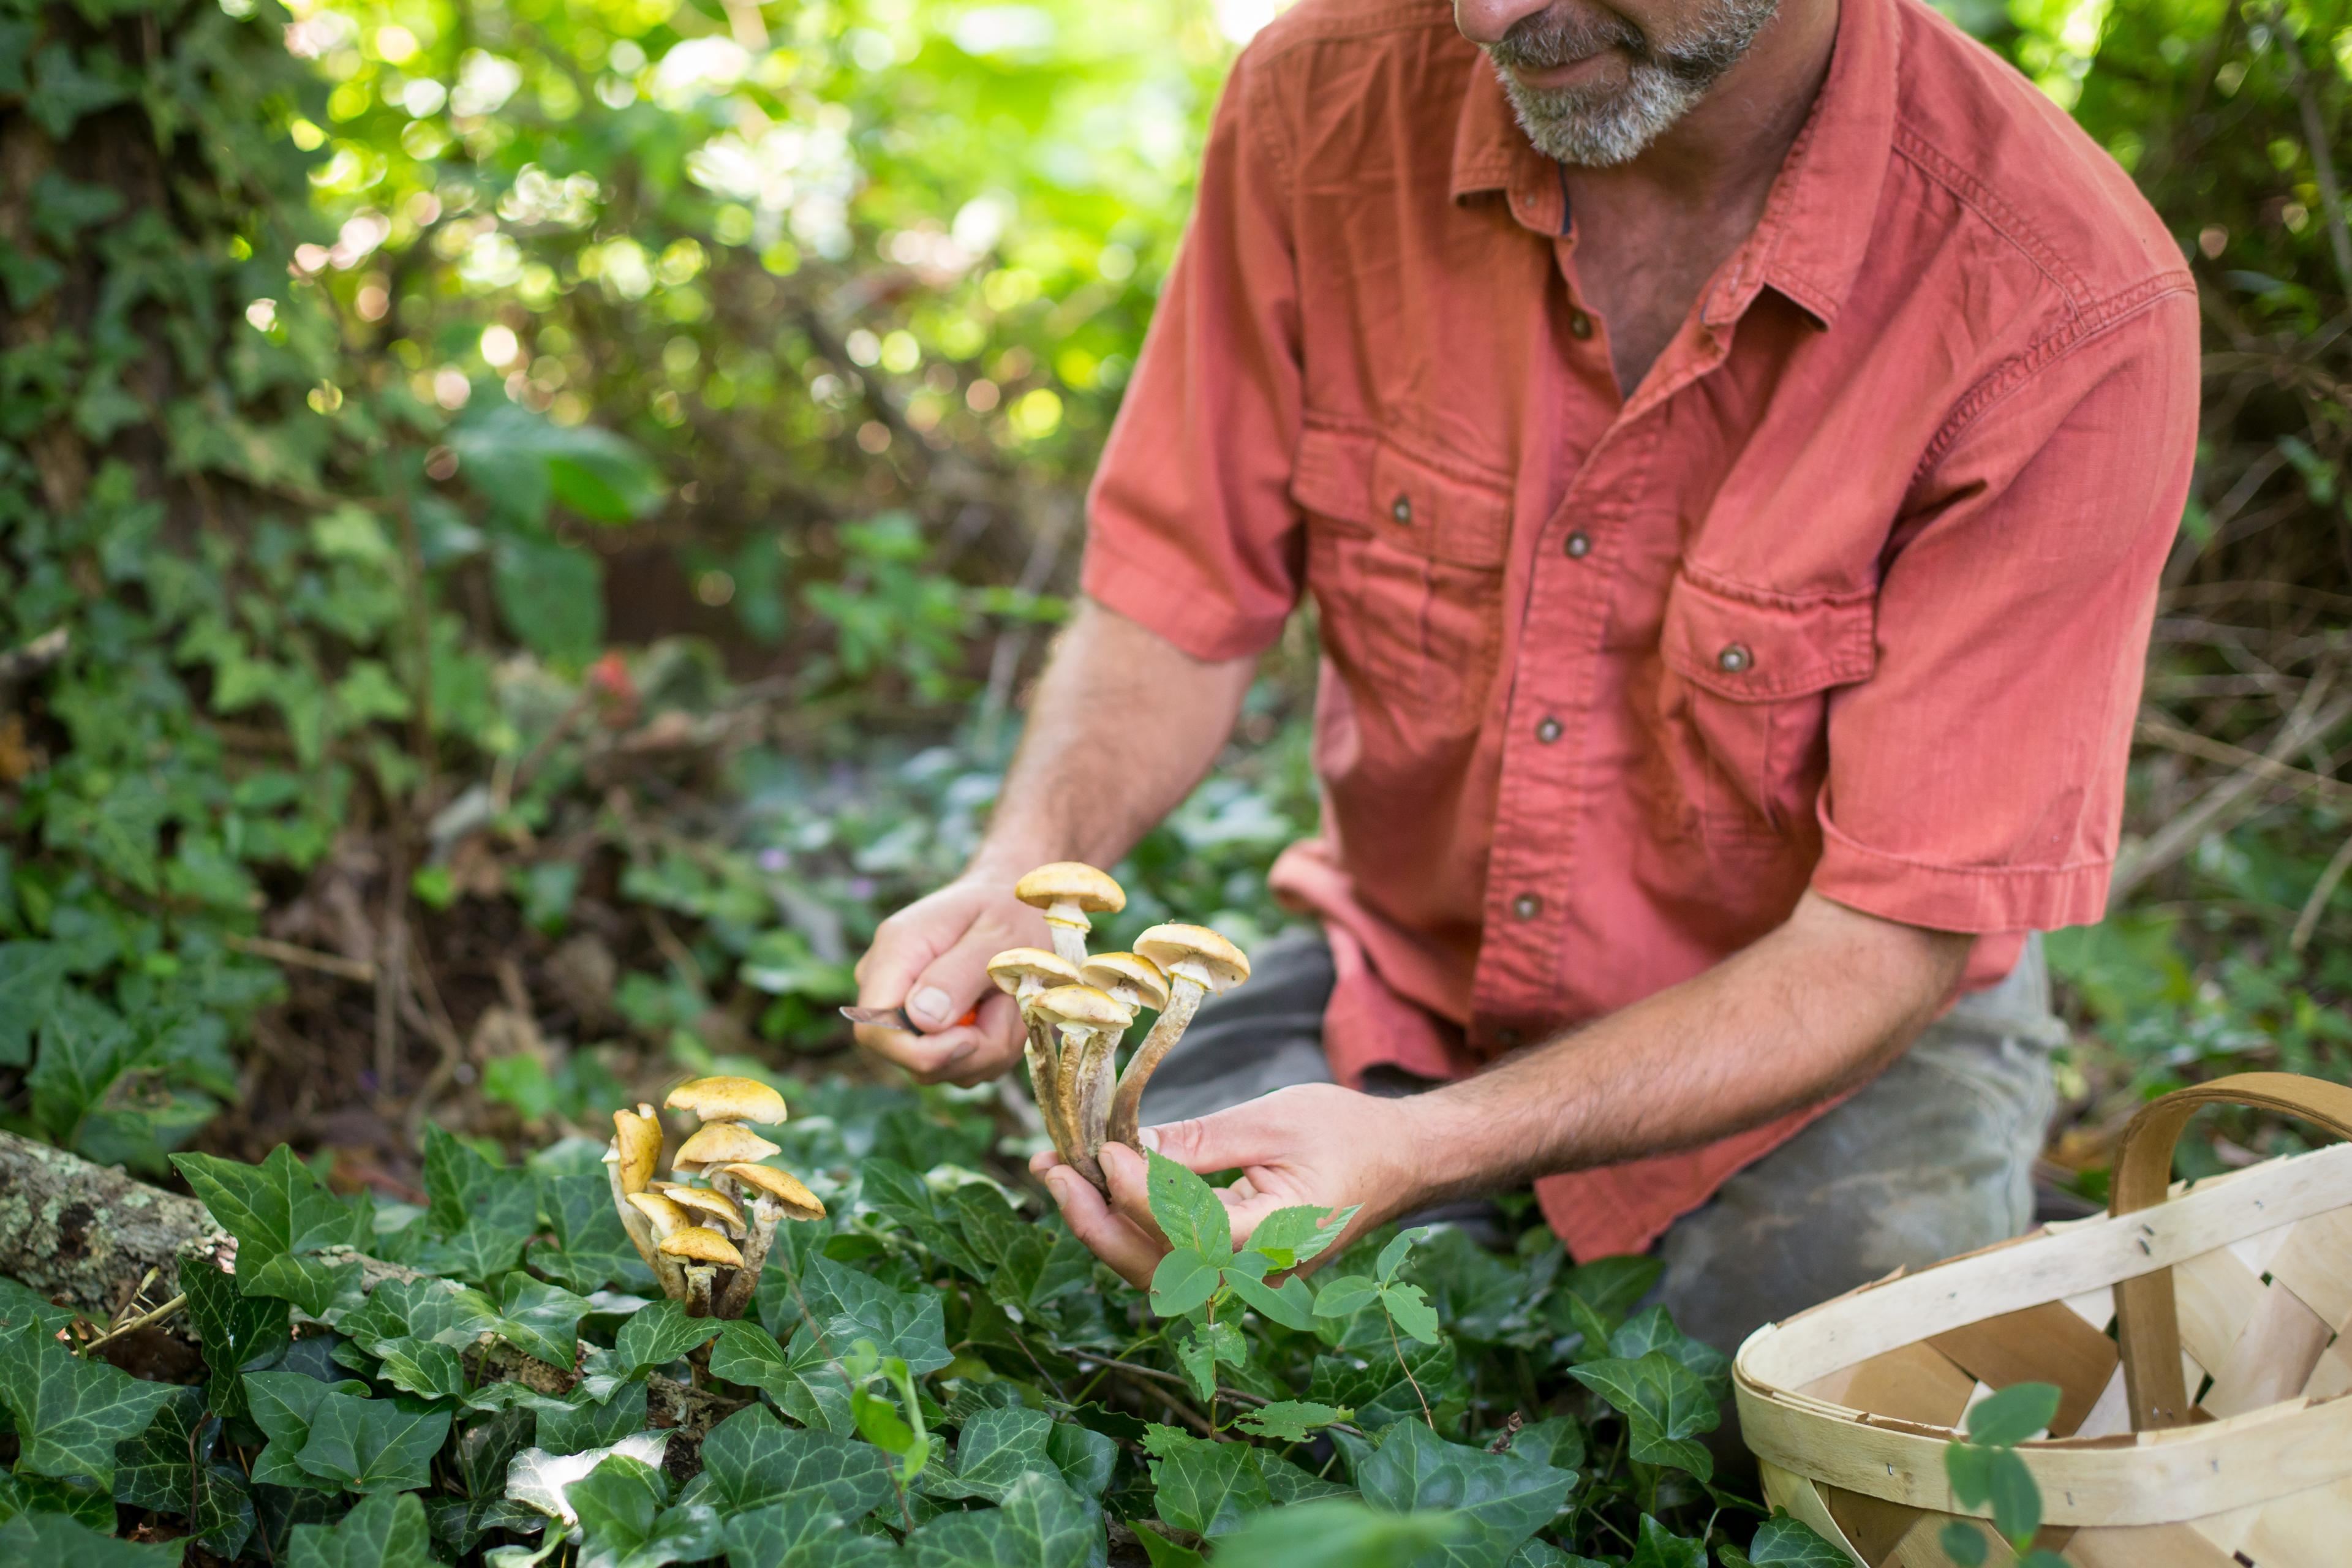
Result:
{"points": [[1313, 1143]]}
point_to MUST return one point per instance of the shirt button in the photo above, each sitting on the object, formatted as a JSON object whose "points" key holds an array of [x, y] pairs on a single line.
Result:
{"points": [[1526, 906], [1580, 545], [1579, 325], [1733, 659], [1400, 509], [1547, 731], [1507, 1037]]}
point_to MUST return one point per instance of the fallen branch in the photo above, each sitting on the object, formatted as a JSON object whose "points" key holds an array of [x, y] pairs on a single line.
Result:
{"points": [[77, 1232]]}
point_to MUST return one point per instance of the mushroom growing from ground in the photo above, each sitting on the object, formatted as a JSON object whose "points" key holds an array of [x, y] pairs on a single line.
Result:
{"points": [[775, 1196], [1199, 963], [1135, 983], [1068, 891], [729, 1100], [666, 1218], [631, 1160], [1026, 973], [703, 1252], [1090, 1023]]}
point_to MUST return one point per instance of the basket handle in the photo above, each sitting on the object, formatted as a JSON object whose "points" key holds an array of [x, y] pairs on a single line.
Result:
{"points": [[2148, 1326]]}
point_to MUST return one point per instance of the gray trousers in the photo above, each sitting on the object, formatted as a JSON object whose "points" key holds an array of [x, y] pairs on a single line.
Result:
{"points": [[1933, 1157]]}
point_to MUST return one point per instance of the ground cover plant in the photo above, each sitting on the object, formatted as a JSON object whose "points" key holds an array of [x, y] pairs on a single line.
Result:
{"points": [[522, 530]]}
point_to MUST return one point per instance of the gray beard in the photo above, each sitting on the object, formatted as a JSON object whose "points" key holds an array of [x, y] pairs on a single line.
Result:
{"points": [[1598, 126]]}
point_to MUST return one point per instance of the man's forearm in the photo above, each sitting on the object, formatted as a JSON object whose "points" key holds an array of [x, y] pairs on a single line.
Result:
{"points": [[1810, 1010], [1122, 725]]}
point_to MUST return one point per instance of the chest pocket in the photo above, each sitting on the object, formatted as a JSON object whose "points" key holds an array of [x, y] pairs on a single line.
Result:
{"points": [[1405, 560], [1741, 708]]}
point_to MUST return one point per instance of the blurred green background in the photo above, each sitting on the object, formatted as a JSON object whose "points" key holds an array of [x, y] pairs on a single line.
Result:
{"points": [[524, 529]]}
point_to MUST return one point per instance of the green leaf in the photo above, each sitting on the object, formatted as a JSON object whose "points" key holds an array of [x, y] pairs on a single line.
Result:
{"points": [[1289, 1420], [373, 1445], [550, 595], [657, 1335], [2013, 1416], [1970, 1470], [70, 1412], [1963, 1541], [1411, 1311], [152, 1471], [1164, 1552], [539, 1320], [1339, 1534], [2016, 1499], [1785, 1543], [63, 91], [54, 1541], [851, 1306], [220, 1508], [237, 1332], [1504, 1498], [996, 1449], [85, 1047], [803, 1379], [1188, 1210], [584, 1421], [589, 1250], [1346, 1296], [421, 1368], [1041, 1524], [1184, 1282], [1665, 1406], [541, 1480], [1654, 1330], [624, 1524], [801, 1534], [274, 1208], [1291, 1305], [1290, 1236], [1392, 1256], [1086, 1458], [1207, 1488], [754, 1461], [30, 974], [1658, 1547], [386, 1531], [283, 1404]]}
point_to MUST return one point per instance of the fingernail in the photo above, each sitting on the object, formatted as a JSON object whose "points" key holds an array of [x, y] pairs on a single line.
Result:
{"points": [[929, 1005], [1149, 1139]]}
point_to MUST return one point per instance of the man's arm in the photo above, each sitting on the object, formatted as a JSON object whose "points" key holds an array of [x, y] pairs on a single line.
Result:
{"points": [[1812, 1009], [1122, 724]]}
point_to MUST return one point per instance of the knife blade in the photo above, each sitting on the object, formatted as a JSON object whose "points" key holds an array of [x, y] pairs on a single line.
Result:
{"points": [[898, 1018]]}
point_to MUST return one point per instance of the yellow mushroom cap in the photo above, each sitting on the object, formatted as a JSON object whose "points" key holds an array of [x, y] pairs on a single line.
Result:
{"points": [[1016, 965], [1083, 1008], [704, 1200], [1071, 882], [717, 1142], [666, 1215], [1109, 971], [782, 1185], [636, 1147], [729, 1100], [1195, 954], [700, 1244]]}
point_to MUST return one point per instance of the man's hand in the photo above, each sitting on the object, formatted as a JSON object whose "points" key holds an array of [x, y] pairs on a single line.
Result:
{"points": [[932, 957], [1313, 1143]]}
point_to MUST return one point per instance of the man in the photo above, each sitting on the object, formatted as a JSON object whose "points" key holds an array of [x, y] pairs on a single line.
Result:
{"points": [[1731, 452]]}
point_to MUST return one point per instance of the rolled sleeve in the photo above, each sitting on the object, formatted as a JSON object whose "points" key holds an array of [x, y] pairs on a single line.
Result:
{"points": [[1976, 780], [1190, 529]]}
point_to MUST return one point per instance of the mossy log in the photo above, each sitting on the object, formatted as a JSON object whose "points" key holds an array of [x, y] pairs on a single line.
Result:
{"points": [[85, 1236]]}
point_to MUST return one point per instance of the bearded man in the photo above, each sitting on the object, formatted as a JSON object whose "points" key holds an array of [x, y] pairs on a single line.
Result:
{"points": [[1731, 449]]}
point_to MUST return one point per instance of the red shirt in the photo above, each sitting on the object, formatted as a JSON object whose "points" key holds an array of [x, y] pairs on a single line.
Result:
{"points": [[1851, 594]]}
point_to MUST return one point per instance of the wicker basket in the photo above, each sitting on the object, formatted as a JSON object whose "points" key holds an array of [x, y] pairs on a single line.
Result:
{"points": [[2210, 1430]]}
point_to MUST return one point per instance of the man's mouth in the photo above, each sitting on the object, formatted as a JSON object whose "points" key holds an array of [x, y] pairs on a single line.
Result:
{"points": [[1551, 76]]}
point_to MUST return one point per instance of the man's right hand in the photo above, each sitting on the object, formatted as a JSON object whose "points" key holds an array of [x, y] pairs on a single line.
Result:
{"points": [[933, 958]]}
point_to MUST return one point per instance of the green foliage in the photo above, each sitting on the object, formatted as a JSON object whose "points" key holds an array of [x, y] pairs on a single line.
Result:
{"points": [[1986, 1472]]}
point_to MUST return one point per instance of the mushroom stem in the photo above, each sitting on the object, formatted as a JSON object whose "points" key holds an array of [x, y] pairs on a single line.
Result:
{"points": [[1045, 1076], [1069, 1077], [1067, 919], [640, 1228], [766, 1215], [1096, 1067], [699, 1278], [1125, 1105]]}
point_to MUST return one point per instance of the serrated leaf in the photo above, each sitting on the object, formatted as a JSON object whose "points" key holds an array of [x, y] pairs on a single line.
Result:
{"points": [[54, 1541], [1188, 1210], [1289, 1304], [1040, 1524], [236, 1332], [387, 1530], [70, 1412], [2015, 1415], [754, 1461], [1290, 1236]]}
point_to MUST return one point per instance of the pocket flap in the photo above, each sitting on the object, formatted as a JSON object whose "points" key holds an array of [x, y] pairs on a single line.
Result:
{"points": [[1759, 647], [1408, 501]]}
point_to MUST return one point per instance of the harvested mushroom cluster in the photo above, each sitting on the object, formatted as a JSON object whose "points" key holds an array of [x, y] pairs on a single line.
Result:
{"points": [[707, 1243], [1076, 1007]]}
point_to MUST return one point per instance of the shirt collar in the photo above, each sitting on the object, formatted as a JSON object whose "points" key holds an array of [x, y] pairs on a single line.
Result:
{"points": [[1809, 242]]}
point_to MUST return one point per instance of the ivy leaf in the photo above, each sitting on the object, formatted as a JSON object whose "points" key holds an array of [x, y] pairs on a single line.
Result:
{"points": [[63, 91], [283, 1404], [1504, 1499], [85, 1045], [801, 1534], [1041, 1524], [1658, 1547], [804, 1380], [30, 974], [1340, 1533], [420, 1367], [54, 1541], [70, 1412], [850, 1306], [373, 1445], [1785, 1543], [658, 1335], [1654, 1330], [274, 1208], [1665, 1406], [540, 1319], [1086, 1458], [582, 1422], [589, 1250], [152, 1471], [1207, 1488], [237, 1332], [2015, 1415], [324, 1291], [485, 1449], [1290, 1236], [386, 1531], [754, 1461], [1290, 1420], [997, 1447], [541, 1480], [220, 1508], [623, 1523], [1182, 1282], [1188, 1210]]}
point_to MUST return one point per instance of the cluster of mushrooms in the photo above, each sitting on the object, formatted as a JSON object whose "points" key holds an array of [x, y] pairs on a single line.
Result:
{"points": [[701, 1243], [1089, 1001]]}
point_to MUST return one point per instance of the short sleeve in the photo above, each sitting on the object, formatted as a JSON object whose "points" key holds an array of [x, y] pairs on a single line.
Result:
{"points": [[1976, 780], [1190, 529]]}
